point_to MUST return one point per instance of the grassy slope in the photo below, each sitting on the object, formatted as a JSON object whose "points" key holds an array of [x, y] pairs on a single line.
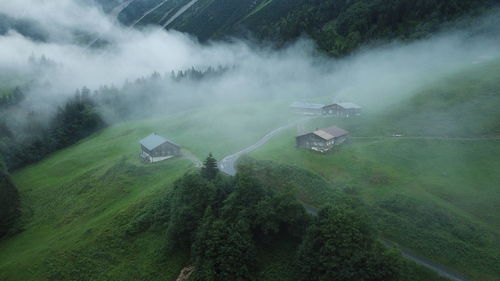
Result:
{"points": [[436, 196], [78, 203]]}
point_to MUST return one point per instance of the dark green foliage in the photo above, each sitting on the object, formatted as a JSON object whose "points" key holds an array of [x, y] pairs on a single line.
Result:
{"points": [[77, 119], [12, 98], [223, 250], [222, 221], [339, 245], [341, 26], [337, 26], [192, 194], [268, 212], [155, 217], [9, 202], [210, 170]]}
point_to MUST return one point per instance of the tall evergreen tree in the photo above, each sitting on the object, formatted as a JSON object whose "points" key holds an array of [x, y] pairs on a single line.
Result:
{"points": [[210, 168], [9, 202], [340, 246], [192, 194], [224, 250]]}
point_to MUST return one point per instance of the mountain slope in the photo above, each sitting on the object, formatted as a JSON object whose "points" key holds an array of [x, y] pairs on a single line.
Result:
{"points": [[338, 27], [79, 205], [83, 207], [435, 189]]}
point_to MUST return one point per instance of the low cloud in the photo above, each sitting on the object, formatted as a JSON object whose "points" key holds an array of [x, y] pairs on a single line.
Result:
{"points": [[373, 77]]}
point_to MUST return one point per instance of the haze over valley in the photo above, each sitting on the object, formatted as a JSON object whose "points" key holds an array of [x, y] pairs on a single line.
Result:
{"points": [[249, 140]]}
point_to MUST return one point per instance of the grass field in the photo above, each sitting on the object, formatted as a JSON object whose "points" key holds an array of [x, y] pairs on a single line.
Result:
{"points": [[435, 190], [434, 195], [437, 197], [78, 203]]}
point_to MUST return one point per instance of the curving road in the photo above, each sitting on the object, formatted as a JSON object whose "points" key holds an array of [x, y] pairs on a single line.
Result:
{"points": [[228, 166]]}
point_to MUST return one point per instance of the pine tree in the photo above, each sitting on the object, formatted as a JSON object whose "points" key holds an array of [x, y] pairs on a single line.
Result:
{"points": [[210, 168], [9, 202]]}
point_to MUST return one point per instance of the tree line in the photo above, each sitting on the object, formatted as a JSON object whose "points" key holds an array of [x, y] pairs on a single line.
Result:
{"points": [[222, 221], [340, 26], [9, 202], [74, 120]]}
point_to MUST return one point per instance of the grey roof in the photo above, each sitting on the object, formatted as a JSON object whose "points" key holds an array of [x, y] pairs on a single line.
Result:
{"points": [[349, 105], [153, 141], [329, 133], [307, 105]]}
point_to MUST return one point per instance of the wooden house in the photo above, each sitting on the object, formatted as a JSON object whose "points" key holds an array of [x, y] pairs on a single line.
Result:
{"points": [[322, 140], [157, 148], [342, 109]]}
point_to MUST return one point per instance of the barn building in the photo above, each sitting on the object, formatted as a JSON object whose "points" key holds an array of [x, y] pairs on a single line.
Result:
{"points": [[307, 108], [322, 140], [156, 148], [342, 109]]}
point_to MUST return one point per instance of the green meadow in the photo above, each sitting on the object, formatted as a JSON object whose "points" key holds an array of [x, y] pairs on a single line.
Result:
{"points": [[433, 191], [78, 203]]}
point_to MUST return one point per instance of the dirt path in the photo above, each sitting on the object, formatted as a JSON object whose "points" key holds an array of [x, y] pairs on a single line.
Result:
{"points": [[427, 263], [197, 162], [410, 256], [430, 138]]}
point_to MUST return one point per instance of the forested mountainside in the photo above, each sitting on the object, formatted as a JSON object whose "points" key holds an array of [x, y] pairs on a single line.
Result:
{"points": [[337, 26]]}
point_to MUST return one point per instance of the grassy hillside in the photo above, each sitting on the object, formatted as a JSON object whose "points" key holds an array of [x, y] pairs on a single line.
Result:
{"points": [[434, 195], [78, 203], [434, 190], [81, 204]]}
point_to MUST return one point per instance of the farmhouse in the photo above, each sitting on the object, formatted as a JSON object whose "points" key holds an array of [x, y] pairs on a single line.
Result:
{"points": [[157, 148], [322, 140], [307, 108], [342, 109]]}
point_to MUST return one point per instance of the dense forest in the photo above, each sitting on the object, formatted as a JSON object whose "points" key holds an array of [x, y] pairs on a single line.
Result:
{"points": [[338, 27], [222, 221], [9, 202], [76, 119]]}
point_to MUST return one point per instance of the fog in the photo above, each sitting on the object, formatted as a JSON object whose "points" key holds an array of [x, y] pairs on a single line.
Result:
{"points": [[373, 77]]}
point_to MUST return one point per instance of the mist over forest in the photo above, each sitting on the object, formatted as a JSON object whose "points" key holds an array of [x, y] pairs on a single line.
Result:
{"points": [[82, 81], [54, 68]]}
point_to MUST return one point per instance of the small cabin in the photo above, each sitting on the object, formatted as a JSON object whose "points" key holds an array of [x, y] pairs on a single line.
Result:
{"points": [[156, 148], [342, 109], [307, 108], [322, 140]]}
